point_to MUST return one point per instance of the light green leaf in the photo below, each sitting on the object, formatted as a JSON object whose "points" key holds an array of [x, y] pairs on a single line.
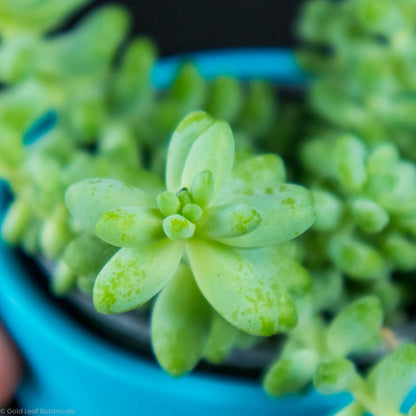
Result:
{"points": [[285, 215], [181, 322], [35, 16], [353, 409], [257, 175], [56, 233], [327, 287], [225, 98], [356, 258], [354, 326], [328, 210], [63, 279], [110, 23], [221, 340], [237, 291], [393, 378], [259, 109], [369, 216], [289, 374], [401, 251], [213, 150], [16, 221], [334, 376], [383, 159], [349, 157], [130, 227], [184, 136], [87, 254], [134, 275], [86, 284], [89, 199], [134, 76]]}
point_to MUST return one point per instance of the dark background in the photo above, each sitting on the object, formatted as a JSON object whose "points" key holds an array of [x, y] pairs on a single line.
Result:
{"points": [[189, 25]]}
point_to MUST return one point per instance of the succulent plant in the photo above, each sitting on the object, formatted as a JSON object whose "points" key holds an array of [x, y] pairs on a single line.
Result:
{"points": [[225, 250]]}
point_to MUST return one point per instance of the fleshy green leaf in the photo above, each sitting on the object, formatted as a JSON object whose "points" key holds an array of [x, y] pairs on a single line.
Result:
{"points": [[354, 326], [56, 233], [189, 129], [356, 258], [213, 150], [177, 227], [334, 376], [353, 409], [130, 227], [16, 221], [401, 251], [233, 286], [225, 98], [63, 279], [369, 216], [328, 210], [256, 175], [203, 187], [87, 254], [133, 77], [108, 23], [285, 215], [393, 378], [35, 16], [134, 275], [181, 322], [221, 339], [350, 162], [290, 374], [89, 199]]}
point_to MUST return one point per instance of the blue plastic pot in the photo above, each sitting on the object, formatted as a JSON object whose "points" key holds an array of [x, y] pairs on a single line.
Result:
{"points": [[71, 369]]}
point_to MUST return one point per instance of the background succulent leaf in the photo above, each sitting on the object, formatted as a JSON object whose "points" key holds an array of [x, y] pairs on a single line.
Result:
{"points": [[256, 175], [221, 339], [289, 374], [87, 254], [354, 325], [393, 378], [334, 376], [89, 199], [36, 16], [353, 409], [356, 258]]}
